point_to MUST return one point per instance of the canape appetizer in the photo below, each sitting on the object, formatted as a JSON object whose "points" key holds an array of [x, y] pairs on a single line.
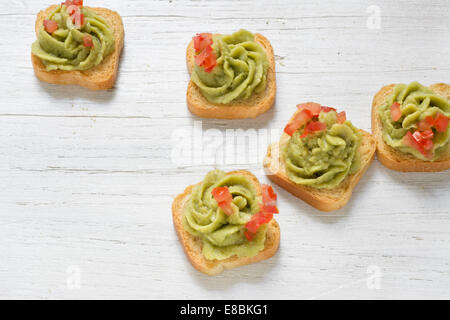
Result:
{"points": [[410, 124], [226, 221], [232, 76], [78, 45], [320, 157]]}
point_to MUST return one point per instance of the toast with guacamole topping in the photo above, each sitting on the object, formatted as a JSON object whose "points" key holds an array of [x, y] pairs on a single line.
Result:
{"points": [[232, 76], [78, 45], [226, 221], [320, 156], [411, 126]]}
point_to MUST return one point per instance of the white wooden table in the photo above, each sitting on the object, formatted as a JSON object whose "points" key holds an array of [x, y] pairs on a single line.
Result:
{"points": [[88, 178]]}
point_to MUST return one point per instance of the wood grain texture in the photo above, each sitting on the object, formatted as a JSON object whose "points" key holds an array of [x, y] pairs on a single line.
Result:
{"points": [[88, 179]]}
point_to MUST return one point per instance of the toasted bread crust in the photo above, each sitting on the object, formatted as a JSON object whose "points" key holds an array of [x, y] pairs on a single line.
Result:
{"points": [[397, 160], [321, 199], [239, 109], [101, 77], [193, 245]]}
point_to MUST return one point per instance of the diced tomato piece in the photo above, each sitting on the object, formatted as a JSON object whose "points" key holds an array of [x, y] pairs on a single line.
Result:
{"points": [[206, 59], [197, 40], [441, 122], [87, 41], [411, 141], [311, 106], [68, 3], [265, 215], [427, 134], [81, 20], [205, 55], [417, 136], [299, 120], [258, 220], [207, 41], [269, 196], [200, 58], [420, 137], [73, 9], [313, 127], [222, 194], [50, 26], [253, 225], [425, 124], [427, 144], [270, 209], [76, 15], [226, 207], [224, 198], [317, 126], [210, 62], [396, 113], [341, 117], [78, 19], [249, 235], [327, 109], [290, 128]]}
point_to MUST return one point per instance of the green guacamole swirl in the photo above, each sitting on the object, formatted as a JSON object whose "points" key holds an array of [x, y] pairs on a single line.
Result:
{"points": [[416, 103], [323, 159], [222, 235], [64, 49], [241, 69]]}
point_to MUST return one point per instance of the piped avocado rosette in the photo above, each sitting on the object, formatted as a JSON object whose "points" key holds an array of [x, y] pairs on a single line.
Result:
{"points": [[323, 147], [415, 121], [229, 67], [226, 212], [73, 37]]}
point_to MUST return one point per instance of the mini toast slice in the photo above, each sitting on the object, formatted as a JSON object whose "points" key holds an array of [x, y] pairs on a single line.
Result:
{"points": [[101, 77], [397, 160], [238, 109], [193, 245], [322, 199]]}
